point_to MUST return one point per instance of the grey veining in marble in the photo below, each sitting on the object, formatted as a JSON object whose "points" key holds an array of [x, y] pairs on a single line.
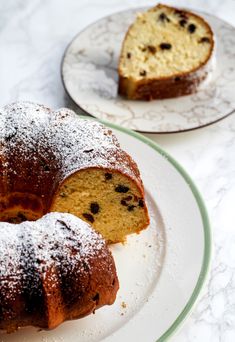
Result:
{"points": [[33, 36]]}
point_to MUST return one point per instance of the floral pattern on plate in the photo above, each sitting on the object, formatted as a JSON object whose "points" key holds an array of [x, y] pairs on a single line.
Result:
{"points": [[89, 72]]}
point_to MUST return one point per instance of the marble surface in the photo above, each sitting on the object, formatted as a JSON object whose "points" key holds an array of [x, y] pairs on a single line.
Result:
{"points": [[33, 36]]}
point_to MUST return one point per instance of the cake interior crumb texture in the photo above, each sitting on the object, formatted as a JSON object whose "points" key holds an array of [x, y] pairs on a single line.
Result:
{"points": [[163, 42], [109, 201]]}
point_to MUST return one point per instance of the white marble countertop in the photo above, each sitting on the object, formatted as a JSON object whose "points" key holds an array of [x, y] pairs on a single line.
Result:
{"points": [[33, 36]]}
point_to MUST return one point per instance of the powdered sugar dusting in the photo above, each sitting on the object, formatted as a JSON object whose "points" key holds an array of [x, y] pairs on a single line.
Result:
{"points": [[30, 250], [59, 138]]}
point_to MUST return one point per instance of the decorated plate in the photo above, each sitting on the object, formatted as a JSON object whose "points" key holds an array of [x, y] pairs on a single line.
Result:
{"points": [[89, 73]]}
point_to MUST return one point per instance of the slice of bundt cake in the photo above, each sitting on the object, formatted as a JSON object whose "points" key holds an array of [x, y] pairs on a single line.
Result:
{"points": [[52, 270], [56, 161], [165, 54]]}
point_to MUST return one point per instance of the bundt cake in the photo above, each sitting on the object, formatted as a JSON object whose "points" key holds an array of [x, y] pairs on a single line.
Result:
{"points": [[56, 161], [165, 54], [52, 270]]}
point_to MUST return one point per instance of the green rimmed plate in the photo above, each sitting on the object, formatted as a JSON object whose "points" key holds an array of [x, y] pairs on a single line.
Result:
{"points": [[161, 271]]}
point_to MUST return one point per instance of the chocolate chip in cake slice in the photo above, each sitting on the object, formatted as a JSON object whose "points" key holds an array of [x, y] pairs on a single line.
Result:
{"points": [[183, 22], [152, 49], [94, 207], [182, 14], [127, 198], [123, 202], [122, 188], [163, 17], [165, 46], [143, 72], [192, 28], [131, 207], [128, 55], [204, 40], [141, 203], [88, 217], [108, 176]]}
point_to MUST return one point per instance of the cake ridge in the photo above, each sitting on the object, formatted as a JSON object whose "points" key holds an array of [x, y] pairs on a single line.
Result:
{"points": [[37, 254]]}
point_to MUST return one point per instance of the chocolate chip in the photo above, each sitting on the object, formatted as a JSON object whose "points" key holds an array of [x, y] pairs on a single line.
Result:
{"points": [[141, 203], [127, 198], [204, 40], [165, 46], [143, 73], [152, 49], [163, 17], [108, 176], [95, 208], [192, 28], [123, 202], [122, 188], [88, 217], [177, 78], [130, 207], [128, 55], [183, 22], [181, 14]]}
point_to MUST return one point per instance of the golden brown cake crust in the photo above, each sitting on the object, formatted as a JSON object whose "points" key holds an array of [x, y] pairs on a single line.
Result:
{"points": [[179, 84], [150, 89], [51, 270]]}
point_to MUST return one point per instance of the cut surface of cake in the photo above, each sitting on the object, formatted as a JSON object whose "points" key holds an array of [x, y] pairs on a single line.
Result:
{"points": [[165, 54], [55, 161]]}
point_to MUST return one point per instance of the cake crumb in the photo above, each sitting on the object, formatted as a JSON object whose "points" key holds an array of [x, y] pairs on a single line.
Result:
{"points": [[123, 305]]}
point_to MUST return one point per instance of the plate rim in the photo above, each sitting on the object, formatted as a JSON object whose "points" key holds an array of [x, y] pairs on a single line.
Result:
{"points": [[207, 253], [136, 130]]}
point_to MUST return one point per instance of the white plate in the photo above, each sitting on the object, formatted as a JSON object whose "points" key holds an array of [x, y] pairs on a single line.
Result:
{"points": [[89, 73], [161, 270]]}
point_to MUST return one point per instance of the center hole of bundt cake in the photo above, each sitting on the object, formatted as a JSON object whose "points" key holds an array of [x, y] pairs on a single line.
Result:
{"points": [[18, 217], [20, 207]]}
